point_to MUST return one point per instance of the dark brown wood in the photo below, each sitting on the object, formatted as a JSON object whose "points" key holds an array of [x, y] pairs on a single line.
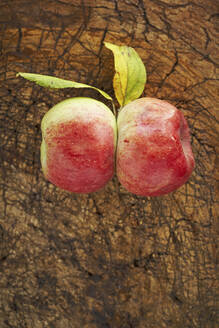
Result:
{"points": [[107, 259]]}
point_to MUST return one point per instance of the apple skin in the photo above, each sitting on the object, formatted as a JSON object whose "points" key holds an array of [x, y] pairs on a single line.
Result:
{"points": [[154, 154], [78, 145]]}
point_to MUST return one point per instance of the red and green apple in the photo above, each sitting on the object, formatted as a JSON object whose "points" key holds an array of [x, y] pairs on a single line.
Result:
{"points": [[78, 145], [154, 154]]}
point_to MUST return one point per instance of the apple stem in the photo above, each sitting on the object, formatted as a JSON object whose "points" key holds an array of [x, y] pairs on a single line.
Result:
{"points": [[114, 108]]}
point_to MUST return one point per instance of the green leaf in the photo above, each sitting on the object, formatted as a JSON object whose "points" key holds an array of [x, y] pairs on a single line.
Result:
{"points": [[130, 76], [56, 83]]}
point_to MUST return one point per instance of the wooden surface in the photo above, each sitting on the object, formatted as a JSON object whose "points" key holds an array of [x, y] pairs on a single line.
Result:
{"points": [[107, 259]]}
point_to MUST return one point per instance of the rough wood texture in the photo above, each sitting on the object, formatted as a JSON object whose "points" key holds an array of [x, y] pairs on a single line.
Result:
{"points": [[108, 259]]}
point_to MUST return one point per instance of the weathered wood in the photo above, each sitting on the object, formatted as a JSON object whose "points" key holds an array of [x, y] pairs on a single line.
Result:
{"points": [[107, 259]]}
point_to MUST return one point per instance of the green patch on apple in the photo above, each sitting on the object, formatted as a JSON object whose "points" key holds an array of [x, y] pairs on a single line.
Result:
{"points": [[147, 140]]}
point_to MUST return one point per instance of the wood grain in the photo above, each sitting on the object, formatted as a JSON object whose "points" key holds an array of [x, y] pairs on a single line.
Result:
{"points": [[107, 259]]}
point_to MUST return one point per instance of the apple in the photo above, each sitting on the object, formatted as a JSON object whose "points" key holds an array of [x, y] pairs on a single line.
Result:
{"points": [[78, 145], [154, 154]]}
